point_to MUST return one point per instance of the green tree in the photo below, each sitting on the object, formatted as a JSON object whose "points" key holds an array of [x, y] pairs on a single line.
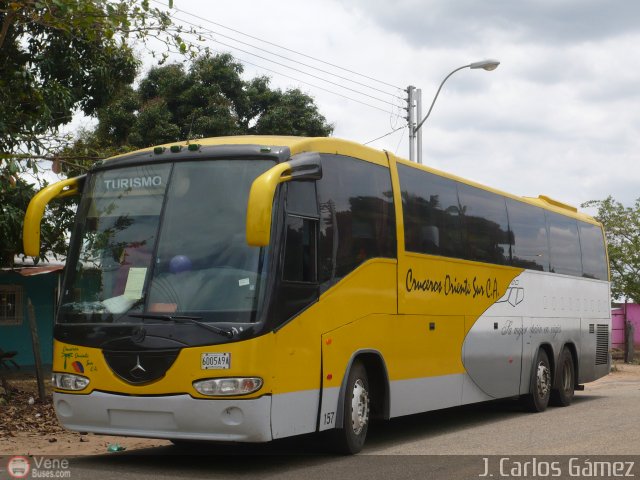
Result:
{"points": [[622, 230], [66, 55], [208, 99], [58, 57], [55, 225]]}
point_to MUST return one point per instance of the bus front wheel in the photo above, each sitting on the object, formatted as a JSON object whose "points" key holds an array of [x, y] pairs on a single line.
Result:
{"points": [[356, 413], [541, 383]]}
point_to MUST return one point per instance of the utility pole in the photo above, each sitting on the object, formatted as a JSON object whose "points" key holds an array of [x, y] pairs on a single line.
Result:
{"points": [[419, 133], [414, 107], [411, 120]]}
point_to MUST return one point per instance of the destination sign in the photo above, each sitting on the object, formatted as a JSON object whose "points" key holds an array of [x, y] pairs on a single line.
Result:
{"points": [[132, 182]]}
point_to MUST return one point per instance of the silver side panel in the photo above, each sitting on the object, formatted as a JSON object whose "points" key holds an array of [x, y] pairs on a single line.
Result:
{"points": [[596, 345], [492, 355], [537, 309], [433, 393], [173, 417], [329, 411], [294, 413], [424, 394], [471, 393], [498, 350]]}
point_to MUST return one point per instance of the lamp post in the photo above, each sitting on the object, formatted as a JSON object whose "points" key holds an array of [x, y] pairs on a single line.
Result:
{"points": [[415, 96]]}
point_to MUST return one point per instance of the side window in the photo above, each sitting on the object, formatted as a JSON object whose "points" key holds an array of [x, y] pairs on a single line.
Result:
{"points": [[485, 225], [357, 218], [564, 245], [298, 287], [301, 198], [594, 260], [528, 233], [300, 247], [300, 259], [431, 213]]}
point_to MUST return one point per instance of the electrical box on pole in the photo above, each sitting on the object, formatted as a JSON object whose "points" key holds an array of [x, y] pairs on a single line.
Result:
{"points": [[418, 98], [411, 120]]}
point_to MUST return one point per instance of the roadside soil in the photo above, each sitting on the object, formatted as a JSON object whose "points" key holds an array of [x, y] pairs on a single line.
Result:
{"points": [[29, 426]]}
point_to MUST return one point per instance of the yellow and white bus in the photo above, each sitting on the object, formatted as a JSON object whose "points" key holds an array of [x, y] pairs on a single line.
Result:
{"points": [[246, 289]]}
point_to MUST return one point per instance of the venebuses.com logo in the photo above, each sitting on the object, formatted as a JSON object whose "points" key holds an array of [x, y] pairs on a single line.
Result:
{"points": [[18, 467], [39, 467]]}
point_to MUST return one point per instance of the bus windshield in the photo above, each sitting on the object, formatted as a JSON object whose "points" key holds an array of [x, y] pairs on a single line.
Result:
{"points": [[165, 239]]}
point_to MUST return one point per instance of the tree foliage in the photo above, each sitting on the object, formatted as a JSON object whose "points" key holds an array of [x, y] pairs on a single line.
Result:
{"points": [[208, 99], [622, 229], [58, 57], [55, 225]]}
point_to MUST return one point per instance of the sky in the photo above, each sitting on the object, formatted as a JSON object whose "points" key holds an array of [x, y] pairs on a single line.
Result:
{"points": [[560, 116]]}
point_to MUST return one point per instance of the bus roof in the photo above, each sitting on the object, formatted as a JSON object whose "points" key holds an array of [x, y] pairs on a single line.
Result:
{"points": [[345, 147], [541, 201], [295, 144]]}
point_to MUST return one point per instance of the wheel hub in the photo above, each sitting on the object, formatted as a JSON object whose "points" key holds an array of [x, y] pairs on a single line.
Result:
{"points": [[567, 380], [543, 377], [359, 407]]}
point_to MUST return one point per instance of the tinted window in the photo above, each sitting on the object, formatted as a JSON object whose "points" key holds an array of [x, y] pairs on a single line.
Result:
{"points": [[300, 253], [431, 213], [529, 247], [564, 245], [594, 260], [301, 198], [485, 225], [357, 220]]}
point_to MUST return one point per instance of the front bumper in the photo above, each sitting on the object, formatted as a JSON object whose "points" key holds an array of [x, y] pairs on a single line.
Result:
{"points": [[173, 417]]}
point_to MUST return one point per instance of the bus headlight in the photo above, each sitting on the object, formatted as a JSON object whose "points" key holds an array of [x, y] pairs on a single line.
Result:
{"points": [[69, 381], [228, 386]]}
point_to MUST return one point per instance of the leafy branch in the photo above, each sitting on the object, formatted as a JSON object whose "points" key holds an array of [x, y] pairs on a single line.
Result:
{"points": [[622, 230]]}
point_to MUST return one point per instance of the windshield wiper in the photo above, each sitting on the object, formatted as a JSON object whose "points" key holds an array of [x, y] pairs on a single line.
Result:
{"points": [[184, 319], [135, 304]]}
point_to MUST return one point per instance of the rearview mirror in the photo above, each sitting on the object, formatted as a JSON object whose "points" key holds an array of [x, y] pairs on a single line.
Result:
{"points": [[35, 211], [305, 166]]}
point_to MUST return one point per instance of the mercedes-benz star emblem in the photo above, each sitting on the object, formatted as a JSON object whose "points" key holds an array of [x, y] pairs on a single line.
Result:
{"points": [[138, 335], [138, 370]]}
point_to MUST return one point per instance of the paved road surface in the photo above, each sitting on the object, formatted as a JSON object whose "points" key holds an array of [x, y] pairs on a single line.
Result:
{"points": [[604, 420]]}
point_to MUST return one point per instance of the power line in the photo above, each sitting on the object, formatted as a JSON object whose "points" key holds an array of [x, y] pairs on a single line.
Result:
{"points": [[390, 112], [288, 66], [196, 33], [399, 142], [318, 87], [282, 47], [286, 58], [284, 65], [385, 135]]}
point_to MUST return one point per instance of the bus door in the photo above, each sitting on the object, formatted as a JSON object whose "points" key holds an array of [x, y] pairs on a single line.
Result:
{"points": [[296, 400]]}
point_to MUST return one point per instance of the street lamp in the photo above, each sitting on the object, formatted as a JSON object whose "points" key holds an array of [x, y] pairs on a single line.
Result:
{"points": [[488, 65]]}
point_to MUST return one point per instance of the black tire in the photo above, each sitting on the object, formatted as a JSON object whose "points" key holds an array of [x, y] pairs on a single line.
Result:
{"points": [[357, 409], [540, 385], [563, 395]]}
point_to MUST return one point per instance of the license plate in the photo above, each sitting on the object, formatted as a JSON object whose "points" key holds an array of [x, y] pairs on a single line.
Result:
{"points": [[215, 361]]}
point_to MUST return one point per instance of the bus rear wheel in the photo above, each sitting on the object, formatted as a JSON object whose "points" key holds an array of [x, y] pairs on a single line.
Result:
{"points": [[356, 413], [540, 386], [563, 395]]}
